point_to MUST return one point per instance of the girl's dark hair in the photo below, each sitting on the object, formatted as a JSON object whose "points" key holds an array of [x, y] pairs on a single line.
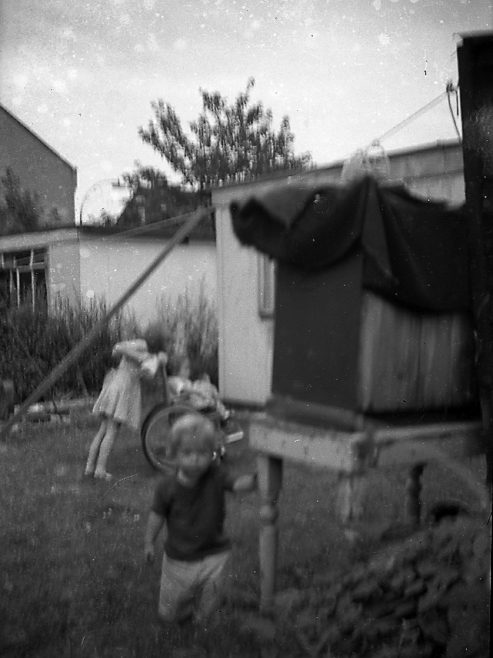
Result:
{"points": [[154, 338]]}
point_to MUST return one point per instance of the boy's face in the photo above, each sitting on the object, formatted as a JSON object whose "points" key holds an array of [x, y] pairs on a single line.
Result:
{"points": [[193, 457]]}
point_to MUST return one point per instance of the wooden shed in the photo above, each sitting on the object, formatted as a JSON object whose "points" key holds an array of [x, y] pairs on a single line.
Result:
{"points": [[372, 313], [246, 277]]}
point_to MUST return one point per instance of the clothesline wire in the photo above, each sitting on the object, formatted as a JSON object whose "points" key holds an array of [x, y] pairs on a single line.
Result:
{"points": [[409, 118]]}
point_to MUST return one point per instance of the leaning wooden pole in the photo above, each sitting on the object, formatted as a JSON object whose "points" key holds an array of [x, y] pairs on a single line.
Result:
{"points": [[73, 356]]}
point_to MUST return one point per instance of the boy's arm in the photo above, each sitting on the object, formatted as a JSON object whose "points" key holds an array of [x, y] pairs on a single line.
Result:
{"points": [[154, 524], [245, 482]]}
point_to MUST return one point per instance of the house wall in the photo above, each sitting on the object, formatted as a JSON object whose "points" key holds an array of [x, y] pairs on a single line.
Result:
{"points": [[62, 274], [246, 338], [84, 267], [39, 168], [64, 271], [110, 265]]}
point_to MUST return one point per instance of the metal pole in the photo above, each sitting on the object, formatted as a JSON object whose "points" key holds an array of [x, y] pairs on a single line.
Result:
{"points": [[77, 351]]}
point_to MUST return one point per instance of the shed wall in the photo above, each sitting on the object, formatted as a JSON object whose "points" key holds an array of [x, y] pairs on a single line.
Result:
{"points": [[110, 265], [83, 267]]}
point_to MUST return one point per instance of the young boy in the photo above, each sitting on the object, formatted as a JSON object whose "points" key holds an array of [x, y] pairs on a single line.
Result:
{"points": [[191, 504]]}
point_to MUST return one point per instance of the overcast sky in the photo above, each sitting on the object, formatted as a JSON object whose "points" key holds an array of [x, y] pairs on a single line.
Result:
{"points": [[82, 75]]}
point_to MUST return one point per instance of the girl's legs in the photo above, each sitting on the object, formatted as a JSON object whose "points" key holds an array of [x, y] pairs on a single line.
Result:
{"points": [[105, 449], [94, 448]]}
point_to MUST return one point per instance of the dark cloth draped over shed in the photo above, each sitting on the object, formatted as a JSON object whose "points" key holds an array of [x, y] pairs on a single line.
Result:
{"points": [[416, 251]]}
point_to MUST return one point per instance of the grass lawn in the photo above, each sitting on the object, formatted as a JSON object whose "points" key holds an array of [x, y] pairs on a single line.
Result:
{"points": [[73, 580]]}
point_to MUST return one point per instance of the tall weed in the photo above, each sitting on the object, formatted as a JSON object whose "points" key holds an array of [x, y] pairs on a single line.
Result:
{"points": [[189, 328], [32, 343]]}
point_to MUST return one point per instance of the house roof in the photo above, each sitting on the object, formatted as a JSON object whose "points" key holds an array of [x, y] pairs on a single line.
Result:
{"points": [[478, 36], [203, 232], [338, 164], [404, 166], [37, 137], [166, 228]]}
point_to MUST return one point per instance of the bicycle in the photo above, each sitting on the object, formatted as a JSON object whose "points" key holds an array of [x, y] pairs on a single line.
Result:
{"points": [[156, 428]]}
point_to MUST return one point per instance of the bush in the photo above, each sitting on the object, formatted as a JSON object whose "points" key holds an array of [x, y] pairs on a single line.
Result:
{"points": [[32, 343], [20, 210], [189, 328], [68, 325]]}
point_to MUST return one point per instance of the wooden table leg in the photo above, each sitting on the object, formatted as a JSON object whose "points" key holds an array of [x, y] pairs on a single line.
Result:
{"points": [[269, 484], [413, 494], [351, 491]]}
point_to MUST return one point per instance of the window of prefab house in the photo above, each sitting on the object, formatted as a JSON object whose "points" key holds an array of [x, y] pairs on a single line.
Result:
{"points": [[23, 278], [266, 286]]}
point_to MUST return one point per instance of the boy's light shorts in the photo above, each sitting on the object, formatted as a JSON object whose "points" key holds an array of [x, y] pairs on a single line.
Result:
{"points": [[191, 588]]}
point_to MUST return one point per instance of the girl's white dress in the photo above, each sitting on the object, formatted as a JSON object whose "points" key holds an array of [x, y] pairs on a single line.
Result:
{"points": [[121, 397]]}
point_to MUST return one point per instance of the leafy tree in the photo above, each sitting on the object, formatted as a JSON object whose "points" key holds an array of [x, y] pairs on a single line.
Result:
{"points": [[20, 210], [228, 143], [153, 198]]}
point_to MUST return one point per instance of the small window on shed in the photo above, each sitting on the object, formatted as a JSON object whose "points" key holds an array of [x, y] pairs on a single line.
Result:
{"points": [[266, 286], [23, 278]]}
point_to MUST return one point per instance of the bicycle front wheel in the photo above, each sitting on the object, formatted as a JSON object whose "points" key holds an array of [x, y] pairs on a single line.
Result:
{"points": [[156, 432]]}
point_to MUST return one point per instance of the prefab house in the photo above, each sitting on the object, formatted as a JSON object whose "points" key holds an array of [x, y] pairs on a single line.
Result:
{"points": [[84, 263]]}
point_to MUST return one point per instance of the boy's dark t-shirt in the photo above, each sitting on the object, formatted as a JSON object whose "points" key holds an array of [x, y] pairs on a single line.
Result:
{"points": [[194, 515]]}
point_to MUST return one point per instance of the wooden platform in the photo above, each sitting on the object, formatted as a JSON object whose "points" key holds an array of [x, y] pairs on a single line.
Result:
{"points": [[352, 452], [351, 455]]}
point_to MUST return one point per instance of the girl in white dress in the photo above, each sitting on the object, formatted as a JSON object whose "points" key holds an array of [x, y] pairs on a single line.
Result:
{"points": [[120, 401]]}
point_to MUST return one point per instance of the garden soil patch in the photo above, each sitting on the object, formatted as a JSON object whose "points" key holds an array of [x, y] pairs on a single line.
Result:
{"points": [[427, 595]]}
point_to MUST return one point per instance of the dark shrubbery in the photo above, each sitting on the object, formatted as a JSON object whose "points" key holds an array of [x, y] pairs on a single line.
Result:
{"points": [[33, 343], [189, 328], [20, 210]]}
